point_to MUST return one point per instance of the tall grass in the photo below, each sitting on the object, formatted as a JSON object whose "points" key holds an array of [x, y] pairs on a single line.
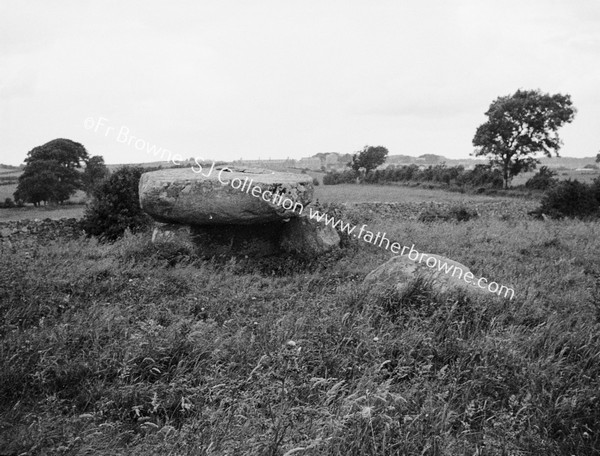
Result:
{"points": [[136, 348]]}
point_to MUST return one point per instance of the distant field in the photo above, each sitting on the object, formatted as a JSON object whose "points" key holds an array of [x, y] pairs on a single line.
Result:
{"points": [[6, 191], [581, 176], [10, 172], [32, 213], [392, 193]]}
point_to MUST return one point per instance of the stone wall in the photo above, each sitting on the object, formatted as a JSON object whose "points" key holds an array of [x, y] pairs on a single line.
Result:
{"points": [[41, 230], [411, 210]]}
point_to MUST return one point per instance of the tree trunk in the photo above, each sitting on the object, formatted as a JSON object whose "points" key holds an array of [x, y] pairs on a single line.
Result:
{"points": [[505, 174]]}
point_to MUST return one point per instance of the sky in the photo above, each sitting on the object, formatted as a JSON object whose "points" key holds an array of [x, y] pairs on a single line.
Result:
{"points": [[224, 80]]}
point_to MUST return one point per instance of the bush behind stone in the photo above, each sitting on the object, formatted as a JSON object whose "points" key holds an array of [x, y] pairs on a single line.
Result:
{"points": [[115, 206]]}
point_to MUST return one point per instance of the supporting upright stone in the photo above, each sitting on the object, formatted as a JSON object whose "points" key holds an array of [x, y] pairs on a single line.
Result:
{"points": [[308, 237]]}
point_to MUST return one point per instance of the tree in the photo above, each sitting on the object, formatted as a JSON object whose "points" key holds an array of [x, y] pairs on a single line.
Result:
{"points": [[66, 152], [95, 171], [518, 127], [597, 158], [46, 181], [369, 158], [50, 173]]}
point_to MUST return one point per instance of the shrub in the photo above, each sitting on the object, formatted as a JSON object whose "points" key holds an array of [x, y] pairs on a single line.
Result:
{"points": [[596, 188], [462, 213], [459, 213], [542, 180], [481, 176], [571, 198], [401, 173], [441, 173], [8, 203], [334, 178], [115, 206], [316, 182]]}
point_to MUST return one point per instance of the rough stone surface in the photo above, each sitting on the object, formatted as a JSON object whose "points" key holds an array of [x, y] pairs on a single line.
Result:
{"points": [[184, 196], [168, 231], [308, 237], [400, 270]]}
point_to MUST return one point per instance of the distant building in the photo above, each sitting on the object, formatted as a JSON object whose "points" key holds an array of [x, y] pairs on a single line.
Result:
{"points": [[266, 163], [309, 163]]}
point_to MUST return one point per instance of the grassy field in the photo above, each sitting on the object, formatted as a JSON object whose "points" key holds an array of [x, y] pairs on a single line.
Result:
{"points": [[136, 348], [74, 209], [7, 191], [394, 193]]}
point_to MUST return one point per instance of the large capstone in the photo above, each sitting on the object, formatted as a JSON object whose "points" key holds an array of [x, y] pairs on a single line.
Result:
{"points": [[223, 195]]}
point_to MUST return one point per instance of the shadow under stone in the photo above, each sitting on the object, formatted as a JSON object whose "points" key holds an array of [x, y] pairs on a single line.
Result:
{"points": [[256, 240]]}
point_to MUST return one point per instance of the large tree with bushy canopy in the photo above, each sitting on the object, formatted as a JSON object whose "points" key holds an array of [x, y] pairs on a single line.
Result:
{"points": [[50, 173], [519, 126], [369, 158]]}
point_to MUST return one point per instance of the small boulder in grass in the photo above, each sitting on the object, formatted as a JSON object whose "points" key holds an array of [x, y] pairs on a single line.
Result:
{"points": [[444, 275]]}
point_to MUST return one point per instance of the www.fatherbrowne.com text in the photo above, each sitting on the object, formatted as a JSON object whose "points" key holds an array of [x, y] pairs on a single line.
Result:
{"points": [[247, 185]]}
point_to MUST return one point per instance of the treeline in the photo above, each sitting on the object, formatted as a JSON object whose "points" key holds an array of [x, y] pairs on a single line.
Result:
{"points": [[480, 176]]}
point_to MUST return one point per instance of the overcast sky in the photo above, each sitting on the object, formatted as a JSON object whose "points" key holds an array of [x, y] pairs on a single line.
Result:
{"points": [[274, 79]]}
